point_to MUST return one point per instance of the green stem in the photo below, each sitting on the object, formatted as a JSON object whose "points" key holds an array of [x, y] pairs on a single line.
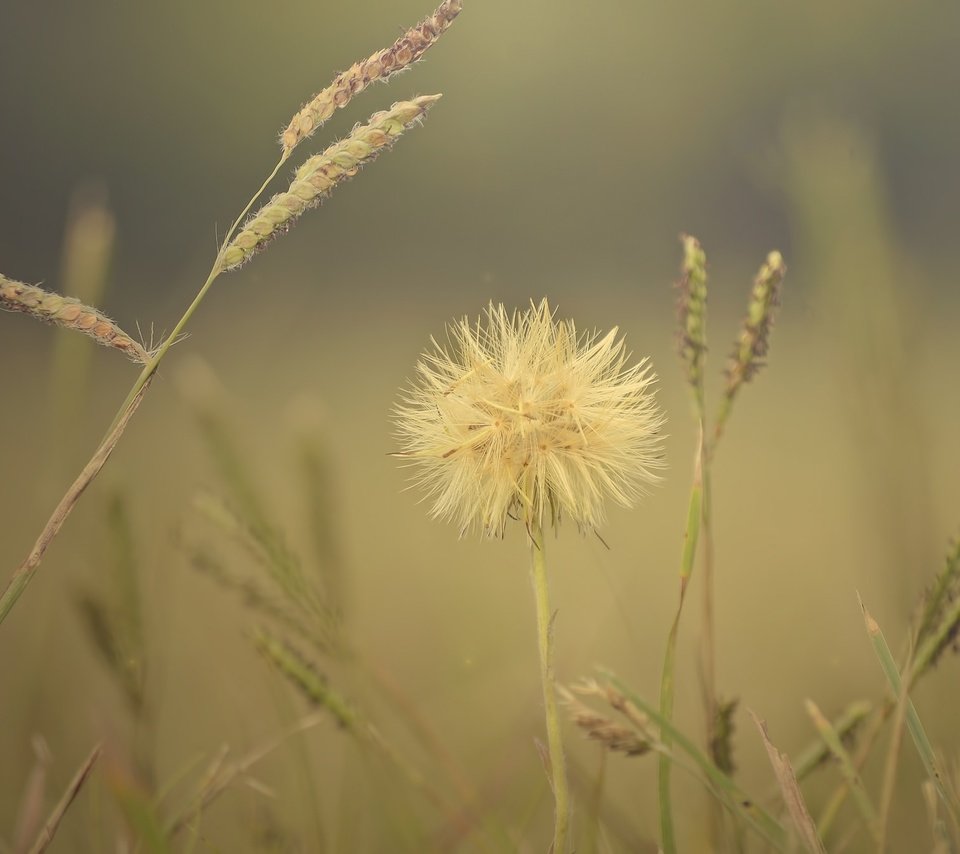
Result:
{"points": [[24, 573], [150, 368], [668, 840], [558, 773]]}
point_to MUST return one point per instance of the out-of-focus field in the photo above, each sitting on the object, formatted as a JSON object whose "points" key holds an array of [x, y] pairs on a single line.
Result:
{"points": [[572, 146]]}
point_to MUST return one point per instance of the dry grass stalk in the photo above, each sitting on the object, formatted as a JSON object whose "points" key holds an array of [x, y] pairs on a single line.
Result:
{"points": [[380, 66], [73, 789], [319, 175], [68, 313], [25, 572], [805, 826]]}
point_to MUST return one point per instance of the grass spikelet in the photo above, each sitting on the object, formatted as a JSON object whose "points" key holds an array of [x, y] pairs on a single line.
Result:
{"points": [[380, 66], [721, 736], [319, 175], [747, 358], [612, 735], [940, 620], [305, 678], [68, 313], [692, 315]]}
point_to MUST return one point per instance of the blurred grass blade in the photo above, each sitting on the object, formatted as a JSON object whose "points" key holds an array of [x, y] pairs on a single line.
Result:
{"points": [[59, 811], [833, 741], [844, 726], [790, 790], [30, 812], [306, 679], [724, 788], [917, 732]]}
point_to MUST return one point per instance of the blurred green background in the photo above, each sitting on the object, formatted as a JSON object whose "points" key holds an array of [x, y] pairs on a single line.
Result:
{"points": [[573, 144]]}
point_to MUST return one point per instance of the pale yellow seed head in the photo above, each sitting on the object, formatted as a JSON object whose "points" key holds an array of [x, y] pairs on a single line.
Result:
{"points": [[521, 418]]}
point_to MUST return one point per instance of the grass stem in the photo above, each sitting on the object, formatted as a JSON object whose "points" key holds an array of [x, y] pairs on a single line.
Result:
{"points": [[668, 839], [24, 573]]}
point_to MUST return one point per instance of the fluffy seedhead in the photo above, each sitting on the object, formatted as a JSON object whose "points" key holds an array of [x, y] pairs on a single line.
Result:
{"points": [[521, 418], [319, 175], [380, 66], [69, 313], [692, 314]]}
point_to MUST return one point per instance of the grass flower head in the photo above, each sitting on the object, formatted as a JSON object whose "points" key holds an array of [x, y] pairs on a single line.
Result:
{"points": [[520, 418]]}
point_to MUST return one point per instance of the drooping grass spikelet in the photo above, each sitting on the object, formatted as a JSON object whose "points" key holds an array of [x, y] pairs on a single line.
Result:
{"points": [[319, 175], [692, 315], [380, 66], [614, 736], [748, 354], [68, 313], [524, 418]]}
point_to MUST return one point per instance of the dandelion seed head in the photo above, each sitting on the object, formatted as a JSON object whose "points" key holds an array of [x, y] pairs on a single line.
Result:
{"points": [[518, 417]]}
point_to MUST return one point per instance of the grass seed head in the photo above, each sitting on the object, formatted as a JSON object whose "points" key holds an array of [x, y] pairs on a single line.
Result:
{"points": [[380, 66], [522, 418], [68, 313], [751, 348], [320, 174], [692, 314]]}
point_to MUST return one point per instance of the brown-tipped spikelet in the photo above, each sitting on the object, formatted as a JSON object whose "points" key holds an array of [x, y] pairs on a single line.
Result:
{"points": [[380, 66], [692, 314], [633, 740], [748, 354], [523, 418], [319, 175], [68, 313]]}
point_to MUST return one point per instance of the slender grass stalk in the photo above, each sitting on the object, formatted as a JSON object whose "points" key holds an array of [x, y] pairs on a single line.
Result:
{"points": [[890, 772], [558, 770], [832, 740], [23, 575], [873, 727], [591, 843], [694, 515], [314, 180], [49, 829], [924, 749]]}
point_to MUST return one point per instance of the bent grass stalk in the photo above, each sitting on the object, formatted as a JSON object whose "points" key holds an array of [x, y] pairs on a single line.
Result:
{"points": [[344, 160]]}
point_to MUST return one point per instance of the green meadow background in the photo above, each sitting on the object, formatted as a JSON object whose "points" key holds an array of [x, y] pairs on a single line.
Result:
{"points": [[574, 142]]}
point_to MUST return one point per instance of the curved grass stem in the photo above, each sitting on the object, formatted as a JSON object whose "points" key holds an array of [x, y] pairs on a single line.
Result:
{"points": [[24, 573]]}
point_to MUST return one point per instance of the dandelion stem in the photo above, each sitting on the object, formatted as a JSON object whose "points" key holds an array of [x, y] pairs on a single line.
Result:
{"points": [[558, 773]]}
